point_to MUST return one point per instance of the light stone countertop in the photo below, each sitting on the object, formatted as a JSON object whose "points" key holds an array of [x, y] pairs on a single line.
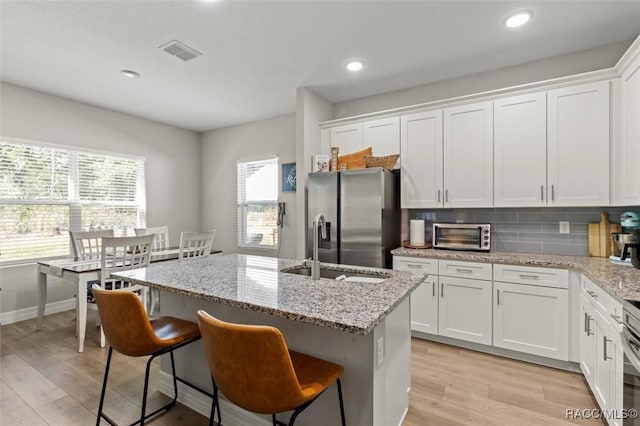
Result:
{"points": [[256, 283], [620, 281]]}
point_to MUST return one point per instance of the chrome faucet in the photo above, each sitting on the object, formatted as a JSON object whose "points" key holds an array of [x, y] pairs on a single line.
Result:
{"points": [[315, 262]]}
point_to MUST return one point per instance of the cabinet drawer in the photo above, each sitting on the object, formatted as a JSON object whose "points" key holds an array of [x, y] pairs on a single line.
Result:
{"points": [[545, 277], [415, 264], [602, 300], [480, 271]]}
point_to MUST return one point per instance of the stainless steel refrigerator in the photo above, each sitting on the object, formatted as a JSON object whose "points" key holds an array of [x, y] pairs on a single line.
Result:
{"points": [[362, 212]]}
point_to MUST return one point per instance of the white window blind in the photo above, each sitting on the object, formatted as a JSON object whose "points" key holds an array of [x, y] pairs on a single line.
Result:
{"points": [[46, 191], [257, 210]]}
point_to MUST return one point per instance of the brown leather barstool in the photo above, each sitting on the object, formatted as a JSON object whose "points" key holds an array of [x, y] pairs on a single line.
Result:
{"points": [[252, 366], [130, 332]]}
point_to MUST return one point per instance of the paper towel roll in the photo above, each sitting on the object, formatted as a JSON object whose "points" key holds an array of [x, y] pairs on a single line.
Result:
{"points": [[416, 232]]}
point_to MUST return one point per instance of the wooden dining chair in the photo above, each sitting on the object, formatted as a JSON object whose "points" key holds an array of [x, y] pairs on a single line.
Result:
{"points": [[122, 254], [160, 242], [132, 333], [196, 244], [87, 245], [252, 366]]}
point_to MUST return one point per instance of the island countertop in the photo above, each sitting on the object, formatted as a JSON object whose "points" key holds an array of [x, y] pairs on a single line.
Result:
{"points": [[620, 281], [257, 283]]}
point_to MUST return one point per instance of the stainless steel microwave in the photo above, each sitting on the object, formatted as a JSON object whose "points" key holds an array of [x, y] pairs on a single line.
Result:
{"points": [[462, 236]]}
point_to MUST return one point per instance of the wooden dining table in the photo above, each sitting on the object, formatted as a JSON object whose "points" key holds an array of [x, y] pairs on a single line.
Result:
{"points": [[79, 273]]}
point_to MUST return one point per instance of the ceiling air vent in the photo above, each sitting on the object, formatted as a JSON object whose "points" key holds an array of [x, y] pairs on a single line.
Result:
{"points": [[180, 50]]}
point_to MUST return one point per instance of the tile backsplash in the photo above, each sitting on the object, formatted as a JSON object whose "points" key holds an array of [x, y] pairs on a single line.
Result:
{"points": [[532, 230]]}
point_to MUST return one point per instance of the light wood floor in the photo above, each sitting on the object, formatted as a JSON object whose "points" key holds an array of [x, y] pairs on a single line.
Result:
{"points": [[44, 381]]}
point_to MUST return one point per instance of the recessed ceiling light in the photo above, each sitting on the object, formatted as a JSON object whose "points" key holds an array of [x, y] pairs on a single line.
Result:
{"points": [[355, 66], [518, 19], [130, 73]]}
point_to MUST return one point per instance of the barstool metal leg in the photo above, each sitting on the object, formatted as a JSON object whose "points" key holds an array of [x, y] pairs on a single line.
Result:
{"points": [[215, 404], [104, 386], [341, 403], [144, 393]]}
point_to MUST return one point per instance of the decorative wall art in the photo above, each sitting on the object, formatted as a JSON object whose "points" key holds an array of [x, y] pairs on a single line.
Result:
{"points": [[289, 177]]}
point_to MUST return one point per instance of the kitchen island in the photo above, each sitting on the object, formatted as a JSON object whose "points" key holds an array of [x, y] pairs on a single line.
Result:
{"points": [[364, 326]]}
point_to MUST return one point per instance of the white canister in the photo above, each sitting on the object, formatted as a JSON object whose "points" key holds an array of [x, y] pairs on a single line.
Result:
{"points": [[416, 232]]}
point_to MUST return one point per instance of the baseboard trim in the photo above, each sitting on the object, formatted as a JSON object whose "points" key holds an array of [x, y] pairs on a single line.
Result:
{"points": [[32, 311], [232, 415]]}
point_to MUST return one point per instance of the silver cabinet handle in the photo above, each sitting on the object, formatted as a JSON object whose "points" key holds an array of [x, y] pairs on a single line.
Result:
{"points": [[616, 318], [604, 350], [498, 295], [589, 333], [433, 288], [553, 193], [541, 192], [592, 294], [586, 324], [529, 277], [414, 266], [438, 195], [441, 289], [466, 271], [446, 195]]}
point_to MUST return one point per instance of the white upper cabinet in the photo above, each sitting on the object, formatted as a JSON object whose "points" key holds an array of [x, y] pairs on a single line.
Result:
{"points": [[468, 155], [421, 155], [383, 136], [348, 138], [578, 145], [520, 150], [626, 148]]}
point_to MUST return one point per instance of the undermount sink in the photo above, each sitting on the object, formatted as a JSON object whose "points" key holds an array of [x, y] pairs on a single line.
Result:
{"points": [[337, 274]]}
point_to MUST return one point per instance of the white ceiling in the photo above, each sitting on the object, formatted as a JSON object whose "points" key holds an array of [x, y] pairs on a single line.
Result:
{"points": [[255, 54]]}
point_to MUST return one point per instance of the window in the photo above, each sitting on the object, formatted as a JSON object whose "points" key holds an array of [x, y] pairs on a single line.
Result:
{"points": [[46, 190], [258, 203]]}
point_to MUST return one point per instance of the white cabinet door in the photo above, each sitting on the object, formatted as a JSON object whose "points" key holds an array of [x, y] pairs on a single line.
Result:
{"points": [[531, 319], [604, 376], [468, 155], [578, 145], [520, 150], [626, 148], [424, 299], [383, 136], [587, 340], [465, 309], [424, 306], [348, 138], [421, 154]]}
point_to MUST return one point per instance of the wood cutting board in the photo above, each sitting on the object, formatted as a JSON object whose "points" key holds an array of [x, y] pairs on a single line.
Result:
{"points": [[600, 243]]}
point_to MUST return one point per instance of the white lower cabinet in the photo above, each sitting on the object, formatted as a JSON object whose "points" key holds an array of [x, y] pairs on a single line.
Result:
{"points": [[424, 306], [587, 340], [424, 299], [531, 319], [465, 309], [601, 349], [531, 310]]}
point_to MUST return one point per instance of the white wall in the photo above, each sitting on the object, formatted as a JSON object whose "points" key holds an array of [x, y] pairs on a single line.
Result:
{"points": [[221, 149], [544, 69], [311, 109], [172, 167]]}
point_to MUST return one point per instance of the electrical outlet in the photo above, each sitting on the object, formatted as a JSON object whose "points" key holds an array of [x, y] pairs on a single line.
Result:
{"points": [[565, 227], [380, 351]]}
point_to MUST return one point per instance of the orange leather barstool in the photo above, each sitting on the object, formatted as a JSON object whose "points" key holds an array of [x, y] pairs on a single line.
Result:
{"points": [[130, 332], [252, 366]]}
